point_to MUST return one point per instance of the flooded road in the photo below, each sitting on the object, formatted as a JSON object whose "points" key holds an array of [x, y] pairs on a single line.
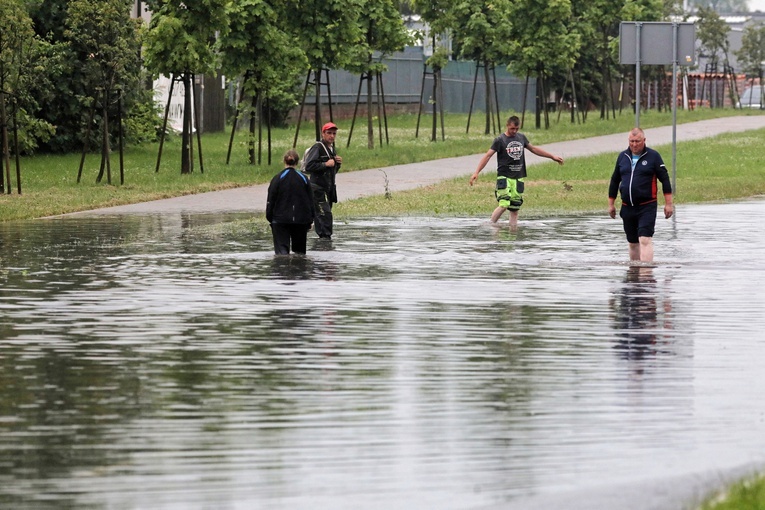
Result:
{"points": [[151, 362]]}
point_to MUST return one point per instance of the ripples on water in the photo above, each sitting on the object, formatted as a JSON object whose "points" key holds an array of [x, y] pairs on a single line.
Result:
{"points": [[414, 363]]}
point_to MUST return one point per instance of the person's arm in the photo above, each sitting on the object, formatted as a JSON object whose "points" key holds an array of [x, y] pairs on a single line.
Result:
{"points": [[338, 160], [271, 200], [666, 188], [669, 206], [481, 164], [544, 154], [314, 161], [612, 207], [309, 193], [613, 189]]}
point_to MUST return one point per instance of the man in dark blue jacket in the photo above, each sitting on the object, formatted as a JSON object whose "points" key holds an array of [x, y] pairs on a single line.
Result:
{"points": [[635, 174]]}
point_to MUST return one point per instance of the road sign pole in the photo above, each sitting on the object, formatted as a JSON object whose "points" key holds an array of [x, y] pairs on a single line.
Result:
{"points": [[638, 85]]}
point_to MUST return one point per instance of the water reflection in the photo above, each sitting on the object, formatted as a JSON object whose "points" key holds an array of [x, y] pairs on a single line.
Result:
{"points": [[299, 267], [156, 362], [641, 314]]}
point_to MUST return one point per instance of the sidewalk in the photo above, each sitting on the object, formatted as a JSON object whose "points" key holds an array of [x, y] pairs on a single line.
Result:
{"points": [[364, 183]]}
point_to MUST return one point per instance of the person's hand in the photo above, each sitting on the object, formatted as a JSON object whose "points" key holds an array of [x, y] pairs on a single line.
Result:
{"points": [[669, 210], [558, 159], [612, 211], [330, 163], [339, 160], [473, 178]]}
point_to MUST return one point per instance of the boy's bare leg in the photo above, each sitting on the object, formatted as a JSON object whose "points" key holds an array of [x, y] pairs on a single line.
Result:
{"points": [[513, 219], [497, 214]]}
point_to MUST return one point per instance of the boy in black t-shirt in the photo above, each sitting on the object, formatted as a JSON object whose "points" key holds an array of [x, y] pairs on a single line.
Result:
{"points": [[510, 148]]}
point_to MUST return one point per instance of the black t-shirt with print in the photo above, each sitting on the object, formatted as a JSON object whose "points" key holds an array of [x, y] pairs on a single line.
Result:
{"points": [[511, 155]]}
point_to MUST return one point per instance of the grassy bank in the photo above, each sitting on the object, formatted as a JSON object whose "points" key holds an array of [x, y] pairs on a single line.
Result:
{"points": [[49, 182], [745, 495], [728, 166]]}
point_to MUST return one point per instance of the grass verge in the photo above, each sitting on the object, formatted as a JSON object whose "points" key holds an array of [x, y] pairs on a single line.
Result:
{"points": [[745, 495], [728, 166], [49, 182]]}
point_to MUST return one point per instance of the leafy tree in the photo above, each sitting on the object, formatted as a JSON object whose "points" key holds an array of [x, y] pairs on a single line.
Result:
{"points": [[597, 22], [643, 10], [330, 34], [107, 41], [58, 98], [438, 15], [713, 34], [61, 92], [181, 42], [721, 6], [543, 43], [482, 30], [49, 17], [258, 47], [751, 55], [19, 49], [384, 33]]}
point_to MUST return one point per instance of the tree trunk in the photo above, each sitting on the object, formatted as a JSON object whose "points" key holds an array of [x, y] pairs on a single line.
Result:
{"points": [[489, 109], [186, 131], [525, 96], [16, 152], [260, 127], [434, 129], [370, 120], [105, 141], [6, 156], [317, 105], [538, 97], [251, 137]]}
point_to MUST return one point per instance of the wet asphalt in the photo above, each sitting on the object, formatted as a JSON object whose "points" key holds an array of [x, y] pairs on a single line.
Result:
{"points": [[682, 492]]}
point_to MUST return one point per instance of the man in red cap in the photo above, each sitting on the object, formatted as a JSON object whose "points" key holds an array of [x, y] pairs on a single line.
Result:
{"points": [[322, 164]]}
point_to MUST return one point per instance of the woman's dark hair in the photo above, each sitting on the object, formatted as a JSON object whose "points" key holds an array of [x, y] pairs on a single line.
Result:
{"points": [[291, 157]]}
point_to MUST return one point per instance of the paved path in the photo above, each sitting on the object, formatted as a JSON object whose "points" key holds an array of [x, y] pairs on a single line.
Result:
{"points": [[363, 183]]}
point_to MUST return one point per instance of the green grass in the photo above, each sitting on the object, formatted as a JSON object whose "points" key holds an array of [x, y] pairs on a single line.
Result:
{"points": [[49, 184], [745, 495], [728, 166]]}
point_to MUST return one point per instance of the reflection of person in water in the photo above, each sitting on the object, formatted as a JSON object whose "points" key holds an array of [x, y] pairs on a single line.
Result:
{"points": [[637, 319]]}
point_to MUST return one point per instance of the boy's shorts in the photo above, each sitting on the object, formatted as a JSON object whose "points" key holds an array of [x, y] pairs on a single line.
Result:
{"points": [[509, 192]]}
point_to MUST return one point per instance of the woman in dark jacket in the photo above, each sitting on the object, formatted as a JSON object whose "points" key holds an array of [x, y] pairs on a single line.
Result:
{"points": [[290, 209]]}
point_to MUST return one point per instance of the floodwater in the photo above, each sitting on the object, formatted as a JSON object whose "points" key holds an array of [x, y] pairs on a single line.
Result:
{"points": [[151, 363]]}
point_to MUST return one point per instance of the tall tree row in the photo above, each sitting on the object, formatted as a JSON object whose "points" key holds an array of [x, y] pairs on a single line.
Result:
{"points": [[329, 33], [73, 31], [107, 40], [383, 33], [482, 33], [21, 56], [259, 50], [181, 43]]}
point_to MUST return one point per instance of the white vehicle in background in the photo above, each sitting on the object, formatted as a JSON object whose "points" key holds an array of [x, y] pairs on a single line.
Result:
{"points": [[751, 98]]}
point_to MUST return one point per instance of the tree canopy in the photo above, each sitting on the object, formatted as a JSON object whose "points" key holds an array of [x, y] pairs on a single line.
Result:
{"points": [[712, 33], [182, 36], [752, 52]]}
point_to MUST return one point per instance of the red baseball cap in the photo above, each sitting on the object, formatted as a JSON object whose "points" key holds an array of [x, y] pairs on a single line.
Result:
{"points": [[328, 126]]}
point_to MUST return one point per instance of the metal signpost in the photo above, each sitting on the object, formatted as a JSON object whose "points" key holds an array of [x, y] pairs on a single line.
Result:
{"points": [[658, 43]]}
